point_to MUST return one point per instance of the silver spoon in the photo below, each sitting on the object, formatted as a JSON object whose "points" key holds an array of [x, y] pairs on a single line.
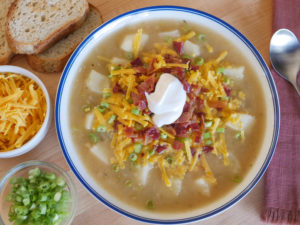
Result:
{"points": [[285, 55]]}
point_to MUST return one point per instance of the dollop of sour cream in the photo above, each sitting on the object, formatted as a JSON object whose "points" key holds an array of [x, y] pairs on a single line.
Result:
{"points": [[167, 101]]}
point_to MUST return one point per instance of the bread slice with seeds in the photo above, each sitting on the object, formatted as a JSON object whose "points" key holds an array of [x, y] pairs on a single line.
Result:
{"points": [[33, 26], [5, 52], [55, 58]]}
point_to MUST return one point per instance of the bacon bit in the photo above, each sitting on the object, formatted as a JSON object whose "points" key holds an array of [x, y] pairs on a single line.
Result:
{"points": [[140, 70], [166, 70], [152, 133], [117, 88], [170, 130], [160, 148], [186, 115], [142, 154], [139, 100], [179, 73], [186, 86], [207, 149], [181, 130], [195, 89], [151, 66], [227, 89], [128, 131], [116, 123], [172, 59], [195, 68], [147, 85], [186, 60], [203, 90], [202, 120], [198, 139], [199, 103], [136, 62], [133, 140], [220, 104], [194, 126], [178, 47], [177, 145]]}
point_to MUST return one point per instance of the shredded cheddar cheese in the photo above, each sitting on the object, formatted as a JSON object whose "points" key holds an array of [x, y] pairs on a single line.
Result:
{"points": [[22, 110]]}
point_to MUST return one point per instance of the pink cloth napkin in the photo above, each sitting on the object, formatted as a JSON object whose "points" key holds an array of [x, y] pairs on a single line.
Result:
{"points": [[282, 179]]}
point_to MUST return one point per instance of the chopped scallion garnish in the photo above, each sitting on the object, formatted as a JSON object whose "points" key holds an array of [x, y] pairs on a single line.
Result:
{"points": [[224, 98], [238, 135], [106, 95], [133, 157], [184, 56], [101, 109], [209, 142], [104, 105], [227, 80], [110, 76], [169, 40], [115, 167], [237, 179], [138, 147], [149, 204], [101, 129], [163, 136], [128, 183], [129, 55], [151, 151], [220, 70], [135, 111], [201, 37], [208, 123], [93, 138], [220, 130], [112, 119], [86, 108], [170, 160], [130, 101], [206, 135], [200, 61]]}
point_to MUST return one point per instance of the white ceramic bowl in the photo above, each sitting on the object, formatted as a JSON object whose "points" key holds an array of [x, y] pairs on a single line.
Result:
{"points": [[172, 13], [39, 136]]}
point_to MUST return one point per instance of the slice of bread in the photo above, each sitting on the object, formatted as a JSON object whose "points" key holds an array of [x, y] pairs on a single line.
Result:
{"points": [[33, 26], [5, 52], [55, 58]]}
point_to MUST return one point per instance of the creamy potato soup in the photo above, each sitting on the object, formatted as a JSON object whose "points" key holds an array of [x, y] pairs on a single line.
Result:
{"points": [[179, 152]]}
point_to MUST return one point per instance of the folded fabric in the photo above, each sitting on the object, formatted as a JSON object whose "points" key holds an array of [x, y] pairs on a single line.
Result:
{"points": [[282, 179]]}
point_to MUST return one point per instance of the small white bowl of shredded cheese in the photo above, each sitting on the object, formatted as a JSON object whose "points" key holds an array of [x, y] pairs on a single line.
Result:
{"points": [[25, 111]]}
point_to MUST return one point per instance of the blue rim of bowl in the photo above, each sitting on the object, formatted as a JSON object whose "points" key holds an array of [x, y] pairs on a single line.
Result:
{"points": [[271, 86]]}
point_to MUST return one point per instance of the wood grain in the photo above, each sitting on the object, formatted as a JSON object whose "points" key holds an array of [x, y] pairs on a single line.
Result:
{"points": [[252, 18]]}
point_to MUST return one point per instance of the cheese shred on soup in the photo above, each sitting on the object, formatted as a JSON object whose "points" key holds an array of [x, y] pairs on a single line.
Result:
{"points": [[197, 159]]}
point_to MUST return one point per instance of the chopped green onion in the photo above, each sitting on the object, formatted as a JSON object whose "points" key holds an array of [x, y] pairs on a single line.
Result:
{"points": [[101, 109], [224, 98], [206, 135], [149, 204], [106, 95], [163, 136], [151, 151], [184, 56], [169, 40], [38, 199], [209, 142], [208, 123], [133, 157], [138, 147], [110, 76], [227, 80], [93, 138], [170, 160], [237, 179], [104, 105], [115, 167], [86, 108], [200, 61], [116, 67], [112, 119], [220, 70], [130, 101], [101, 129], [135, 111], [128, 183], [238, 135], [201, 37], [129, 55], [220, 130]]}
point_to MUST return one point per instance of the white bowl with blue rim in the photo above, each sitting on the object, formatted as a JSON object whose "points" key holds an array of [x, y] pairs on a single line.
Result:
{"points": [[164, 13]]}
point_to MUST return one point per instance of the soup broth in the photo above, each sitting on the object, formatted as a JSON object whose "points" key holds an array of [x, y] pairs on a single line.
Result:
{"points": [[125, 183]]}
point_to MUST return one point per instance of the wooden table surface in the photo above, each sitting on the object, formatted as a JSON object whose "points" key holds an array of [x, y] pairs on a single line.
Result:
{"points": [[253, 18]]}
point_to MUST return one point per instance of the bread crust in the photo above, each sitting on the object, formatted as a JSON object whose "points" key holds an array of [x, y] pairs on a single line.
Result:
{"points": [[6, 59], [57, 64], [19, 47]]}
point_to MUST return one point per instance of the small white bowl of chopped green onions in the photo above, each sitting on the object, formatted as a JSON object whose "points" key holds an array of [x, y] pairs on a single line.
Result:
{"points": [[37, 192]]}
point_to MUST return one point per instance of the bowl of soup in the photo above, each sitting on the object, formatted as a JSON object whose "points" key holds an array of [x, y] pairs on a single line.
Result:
{"points": [[167, 115]]}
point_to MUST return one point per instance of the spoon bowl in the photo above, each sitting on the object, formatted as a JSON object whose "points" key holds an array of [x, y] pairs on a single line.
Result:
{"points": [[285, 55]]}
